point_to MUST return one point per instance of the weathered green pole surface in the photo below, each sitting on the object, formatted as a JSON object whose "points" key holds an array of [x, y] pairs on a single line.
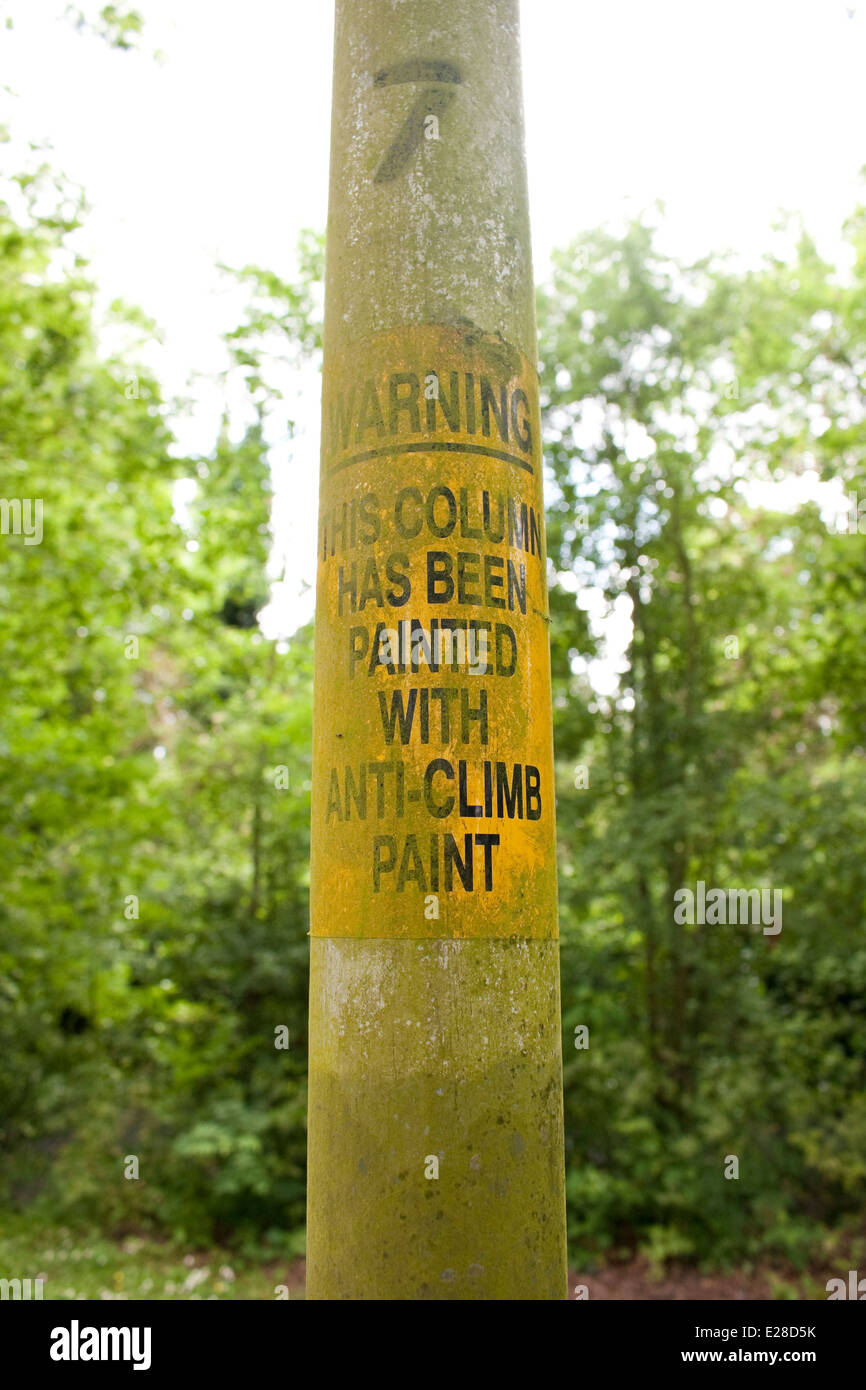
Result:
{"points": [[435, 1116]]}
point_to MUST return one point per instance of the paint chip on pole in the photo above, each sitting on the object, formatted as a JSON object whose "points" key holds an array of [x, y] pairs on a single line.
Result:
{"points": [[435, 1123]]}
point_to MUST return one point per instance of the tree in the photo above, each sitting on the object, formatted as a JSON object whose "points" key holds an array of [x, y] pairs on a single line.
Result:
{"points": [[670, 391], [155, 783]]}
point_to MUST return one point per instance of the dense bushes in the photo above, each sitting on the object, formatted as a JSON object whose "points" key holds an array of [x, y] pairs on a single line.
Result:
{"points": [[154, 763]]}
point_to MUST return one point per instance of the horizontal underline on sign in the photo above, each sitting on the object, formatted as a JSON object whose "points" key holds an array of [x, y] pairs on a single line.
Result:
{"points": [[449, 446]]}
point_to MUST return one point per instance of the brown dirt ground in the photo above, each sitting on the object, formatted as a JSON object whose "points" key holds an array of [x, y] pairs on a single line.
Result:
{"points": [[637, 1279]]}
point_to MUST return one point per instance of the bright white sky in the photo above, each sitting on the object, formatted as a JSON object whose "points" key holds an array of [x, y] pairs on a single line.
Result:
{"points": [[219, 151]]}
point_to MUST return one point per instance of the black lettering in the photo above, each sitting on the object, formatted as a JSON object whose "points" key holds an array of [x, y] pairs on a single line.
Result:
{"points": [[440, 585], [522, 429], [503, 633], [380, 865], [424, 716], [356, 793], [334, 802], [478, 651], [488, 403], [397, 597], [370, 413], [356, 652], [341, 412], [434, 863], [468, 572], [420, 646], [468, 715], [450, 409], [487, 842], [453, 860], [444, 694], [470, 403], [451, 649], [408, 403], [370, 523], [414, 874], [534, 533], [493, 581], [371, 589], [404, 715], [533, 793], [347, 588], [435, 493], [516, 587], [518, 525], [467, 809], [472, 533], [509, 799], [403, 496], [338, 529], [381, 631], [443, 808], [497, 535], [378, 770]]}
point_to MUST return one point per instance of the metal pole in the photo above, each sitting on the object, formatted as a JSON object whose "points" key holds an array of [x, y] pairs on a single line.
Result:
{"points": [[435, 1164]]}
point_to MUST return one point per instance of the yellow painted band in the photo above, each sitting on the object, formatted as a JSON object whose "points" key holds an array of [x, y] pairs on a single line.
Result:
{"points": [[433, 798]]}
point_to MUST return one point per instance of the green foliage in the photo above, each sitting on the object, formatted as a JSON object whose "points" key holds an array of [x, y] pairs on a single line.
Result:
{"points": [[154, 790], [119, 28], [155, 756], [730, 750], [74, 1263]]}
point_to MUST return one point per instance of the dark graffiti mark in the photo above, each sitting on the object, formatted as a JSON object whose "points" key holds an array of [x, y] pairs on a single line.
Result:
{"points": [[435, 101], [432, 446], [418, 70]]}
